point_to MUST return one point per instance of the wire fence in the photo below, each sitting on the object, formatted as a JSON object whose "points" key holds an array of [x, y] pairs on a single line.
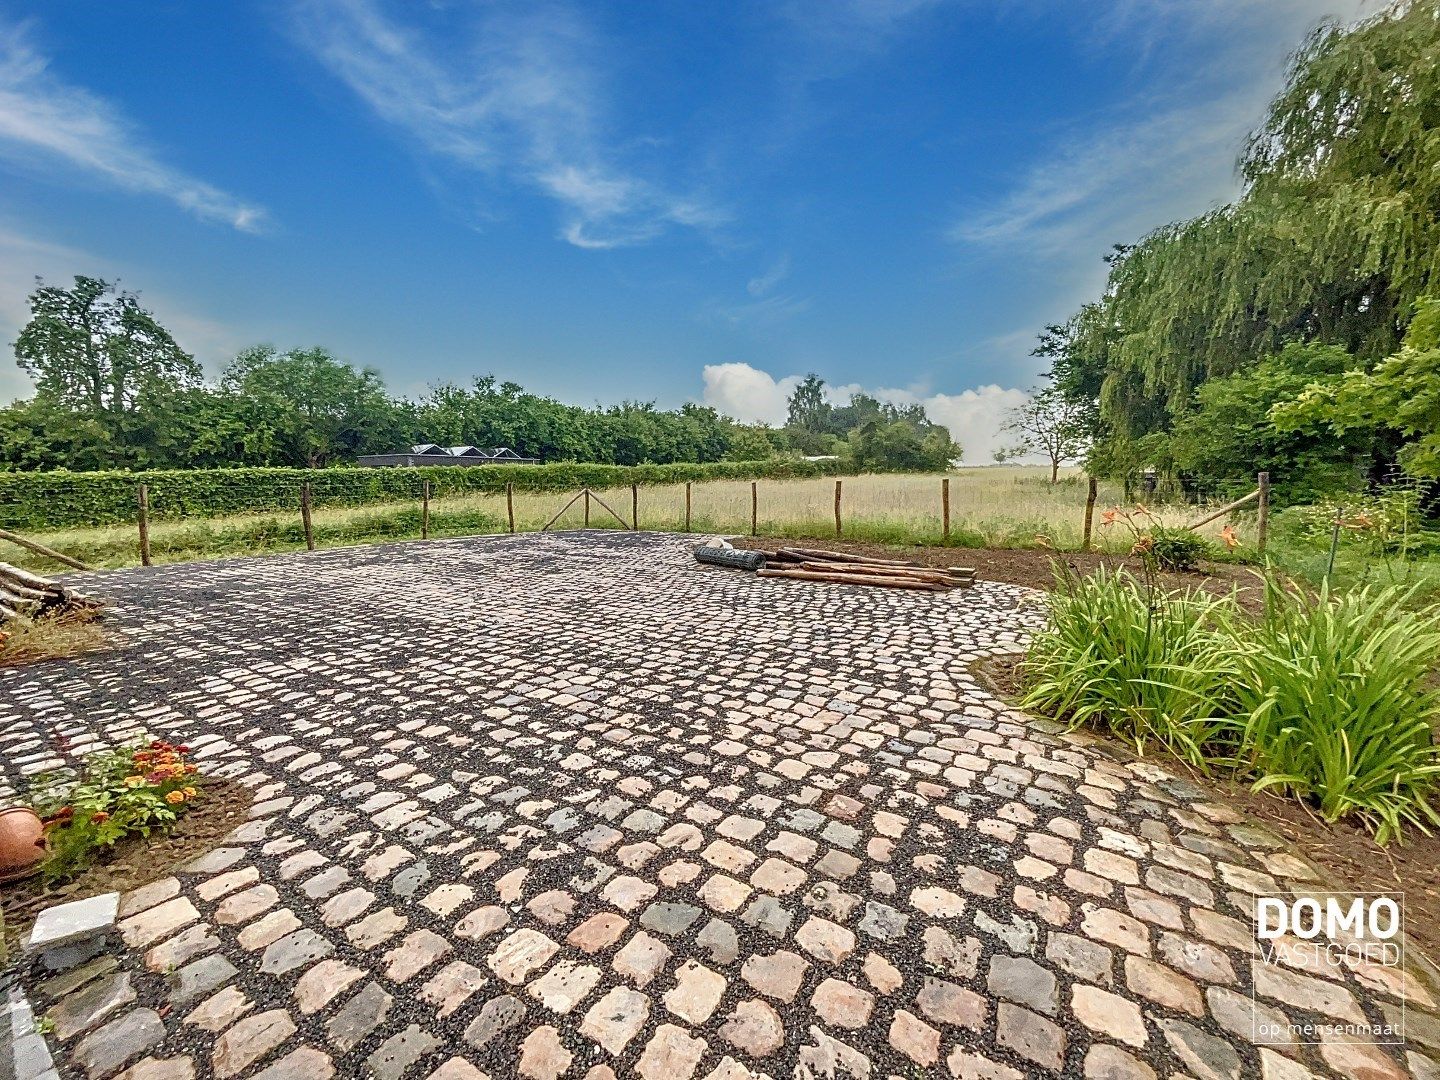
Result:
{"points": [[1001, 507]]}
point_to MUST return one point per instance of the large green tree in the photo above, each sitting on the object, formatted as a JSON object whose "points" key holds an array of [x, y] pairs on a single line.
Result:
{"points": [[93, 350], [1334, 238]]}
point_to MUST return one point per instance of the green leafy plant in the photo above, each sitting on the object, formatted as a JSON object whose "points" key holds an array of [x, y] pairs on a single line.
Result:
{"points": [[1178, 550], [127, 791], [1146, 667], [1339, 705]]}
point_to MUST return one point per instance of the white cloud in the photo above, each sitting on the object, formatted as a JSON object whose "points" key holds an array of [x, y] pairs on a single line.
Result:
{"points": [[44, 119], [522, 103], [748, 394], [973, 417]]}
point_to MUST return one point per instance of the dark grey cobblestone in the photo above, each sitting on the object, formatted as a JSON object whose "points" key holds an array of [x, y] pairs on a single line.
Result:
{"points": [[573, 805]]}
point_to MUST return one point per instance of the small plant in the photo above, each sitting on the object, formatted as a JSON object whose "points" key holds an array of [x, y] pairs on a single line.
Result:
{"points": [[1178, 550], [1340, 705], [1148, 668], [130, 790]]}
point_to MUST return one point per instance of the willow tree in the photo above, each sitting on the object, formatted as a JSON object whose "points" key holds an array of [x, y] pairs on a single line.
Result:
{"points": [[1336, 234]]}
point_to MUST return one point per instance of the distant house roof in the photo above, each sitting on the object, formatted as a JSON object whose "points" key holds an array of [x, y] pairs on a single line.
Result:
{"points": [[433, 454]]}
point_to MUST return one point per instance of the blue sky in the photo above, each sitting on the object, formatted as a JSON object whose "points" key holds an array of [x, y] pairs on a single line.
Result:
{"points": [[665, 201]]}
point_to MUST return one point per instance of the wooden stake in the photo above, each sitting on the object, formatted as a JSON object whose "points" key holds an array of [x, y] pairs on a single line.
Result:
{"points": [[754, 508], [572, 502], [611, 512], [41, 549], [425, 511], [143, 497], [1262, 532], [837, 507], [510, 504], [305, 500], [945, 510], [687, 505], [1225, 509], [587, 507], [809, 554], [634, 507], [1090, 511]]}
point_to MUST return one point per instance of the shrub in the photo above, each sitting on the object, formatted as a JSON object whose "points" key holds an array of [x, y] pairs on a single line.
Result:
{"points": [[1178, 550], [57, 500], [130, 790], [1147, 667], [1340, 705]]}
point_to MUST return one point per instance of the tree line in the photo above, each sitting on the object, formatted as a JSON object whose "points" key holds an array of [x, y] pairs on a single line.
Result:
{"points": [[1295, 329], [113, 389]]}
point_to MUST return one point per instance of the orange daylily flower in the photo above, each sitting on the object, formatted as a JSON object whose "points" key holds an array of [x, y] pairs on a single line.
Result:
{"points": [[1227, 534]]}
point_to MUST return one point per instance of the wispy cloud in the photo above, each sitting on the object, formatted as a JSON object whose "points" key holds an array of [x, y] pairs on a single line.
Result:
{"points": [[44, 119], [520, 100], [1160, 158]]}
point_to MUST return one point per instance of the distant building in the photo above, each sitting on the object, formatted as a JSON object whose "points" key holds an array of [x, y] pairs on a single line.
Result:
{"points": [[430, 454]]}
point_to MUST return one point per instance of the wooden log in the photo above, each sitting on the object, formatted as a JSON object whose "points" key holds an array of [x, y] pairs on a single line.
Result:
{"points": [[26, 579], [143, 497], [612, 513], [1262, 494], [1090, 495], [844, 557], [1225, 510], [940, 577], [18, 602], [41, 549], [306, 522], [838, 578], [572, 502]]}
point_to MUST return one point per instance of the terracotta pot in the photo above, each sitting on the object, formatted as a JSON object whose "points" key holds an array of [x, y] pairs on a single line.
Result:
{"points": [[22, 842]]}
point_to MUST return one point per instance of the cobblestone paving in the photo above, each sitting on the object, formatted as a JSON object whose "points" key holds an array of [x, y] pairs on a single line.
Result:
{"points": [[573, 806]]}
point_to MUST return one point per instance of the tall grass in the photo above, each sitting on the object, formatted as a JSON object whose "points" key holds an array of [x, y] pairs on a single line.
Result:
{"points": [[1006, 507], [1326, 697]]}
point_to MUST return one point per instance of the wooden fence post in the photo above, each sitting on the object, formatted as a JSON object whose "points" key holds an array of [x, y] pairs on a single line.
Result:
{"points": [[634, 507], [754, 508], [687, 505], [1262, 534], [837, 506], [143, 498], [306, 500], [425, 511], [510, 504], [587, 508], [1089, 512], [945, 510]]}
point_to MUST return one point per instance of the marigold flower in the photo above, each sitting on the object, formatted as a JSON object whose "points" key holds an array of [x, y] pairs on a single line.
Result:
{"points": [[134, 781], [99, 816], [175, 797], [182, 749], [190, 792]]}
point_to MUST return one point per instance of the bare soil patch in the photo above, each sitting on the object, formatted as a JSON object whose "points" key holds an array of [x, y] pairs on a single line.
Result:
{"points": [[135, 861], [1034, 568]]}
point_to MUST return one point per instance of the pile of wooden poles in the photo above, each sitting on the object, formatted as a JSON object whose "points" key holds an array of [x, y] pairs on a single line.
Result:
{"points": [[812, 564], [24, 593]]}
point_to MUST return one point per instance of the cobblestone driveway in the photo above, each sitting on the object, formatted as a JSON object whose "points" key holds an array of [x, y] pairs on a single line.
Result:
{"points": [[572, 805]]}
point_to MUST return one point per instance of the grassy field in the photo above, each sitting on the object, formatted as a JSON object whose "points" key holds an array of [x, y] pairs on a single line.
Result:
{"points": [[992, 507]]}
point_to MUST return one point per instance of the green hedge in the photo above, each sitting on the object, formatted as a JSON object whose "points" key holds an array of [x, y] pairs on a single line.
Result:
{"points": [[58, 500]]}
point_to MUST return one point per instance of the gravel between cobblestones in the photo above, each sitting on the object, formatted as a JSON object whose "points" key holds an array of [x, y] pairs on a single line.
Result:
{"points": [[573, 805]]}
